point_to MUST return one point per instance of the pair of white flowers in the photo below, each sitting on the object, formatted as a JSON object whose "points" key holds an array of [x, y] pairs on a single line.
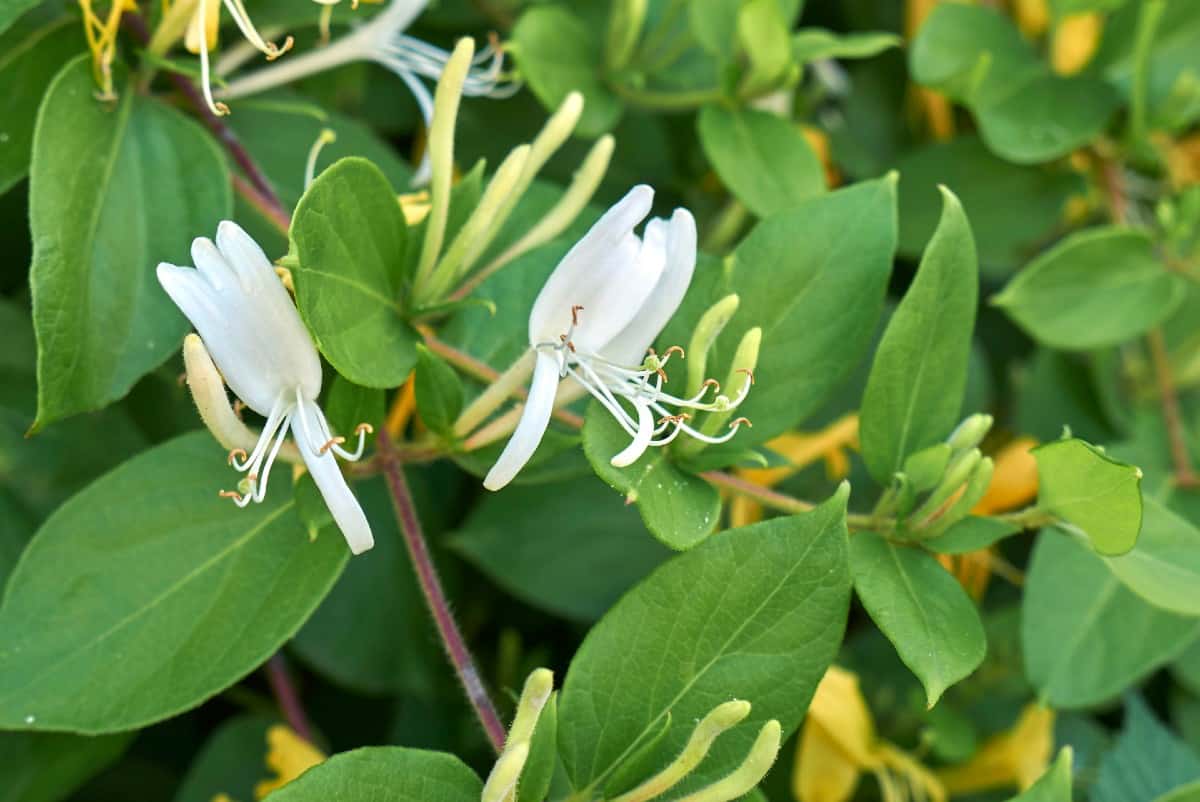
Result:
{"points": [[593, 321]]}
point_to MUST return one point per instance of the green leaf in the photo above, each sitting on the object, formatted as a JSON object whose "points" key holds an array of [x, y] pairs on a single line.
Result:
{"points": [[915, 389], [814, 278], [1091, 491], [372, 632], [46, 767], [1054, 785], [921, 609], [349, 235], [971, 534], [148, 564], [1184, 793], [230, 762], [112, 192], [31, 58], [764, 159], [714, 24], [1147, 761], [814, 44], [570, 548], [678, 508], [10, 10], [557, 54], [1084, 635], [1014, 210], [755, 614], [1026, 113], [439, 392], [385, 774], [1164, 565], [1098, 287]]}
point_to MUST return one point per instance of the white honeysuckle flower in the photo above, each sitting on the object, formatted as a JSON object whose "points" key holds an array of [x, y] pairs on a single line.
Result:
{"points": [[253, 333], [382, 40], [594, 321]]}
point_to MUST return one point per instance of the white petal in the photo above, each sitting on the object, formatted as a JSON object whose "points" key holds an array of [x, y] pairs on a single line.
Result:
{"points": [[629, 347], [641, 442], [323, 468], [212, 266], [226, 323], [587, 271], [247, 260], [532, 426]]}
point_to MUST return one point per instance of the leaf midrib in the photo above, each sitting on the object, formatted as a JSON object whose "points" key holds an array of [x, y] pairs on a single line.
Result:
{"points": [[234, 545]]}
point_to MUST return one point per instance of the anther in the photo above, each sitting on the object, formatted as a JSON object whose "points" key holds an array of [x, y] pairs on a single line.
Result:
{"points": [[333, 441], [575, 310], [739, 421], [748, 372], [230, 494], [238, 406], [364, 427], [274, 51], [675, 349], [712, 383], [682, 417], [233, 455]]}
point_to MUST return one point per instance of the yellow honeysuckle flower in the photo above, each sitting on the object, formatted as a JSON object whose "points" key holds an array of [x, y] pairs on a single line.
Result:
{"points": [[800, 450], [818, 140], [288, 756], [1183, 161], [1017, 757], [1032, 16], [1076, 38], [1014, 480], [838, 743]]}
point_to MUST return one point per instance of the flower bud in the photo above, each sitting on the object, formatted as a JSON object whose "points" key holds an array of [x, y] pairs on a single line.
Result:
{"points": [[745, 777], [446, 101], [961, 468], [506, 773], [970, 432], [710, 326], [975, 489], [721, 718]]}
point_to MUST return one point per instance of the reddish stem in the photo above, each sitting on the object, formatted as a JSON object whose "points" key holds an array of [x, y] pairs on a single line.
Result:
{"points": [[280, 680], [435, 596]]}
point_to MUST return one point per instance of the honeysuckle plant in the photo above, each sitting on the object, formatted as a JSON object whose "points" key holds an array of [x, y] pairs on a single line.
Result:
{"points": [[497, 362]]}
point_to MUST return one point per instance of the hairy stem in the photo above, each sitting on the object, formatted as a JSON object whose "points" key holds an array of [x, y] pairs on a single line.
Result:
{"points": [[435, 597]]}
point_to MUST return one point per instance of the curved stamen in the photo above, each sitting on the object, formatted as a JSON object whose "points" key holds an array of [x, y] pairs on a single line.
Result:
{"points": [[278, 413], [240, 16]]}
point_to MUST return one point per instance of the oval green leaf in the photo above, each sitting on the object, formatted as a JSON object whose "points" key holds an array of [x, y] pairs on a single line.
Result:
{"points": [[756, 613], [1085, 636], [1100, 496], [349, 235], [112, 192], [145, 594], [922, 610], [385, 774]]}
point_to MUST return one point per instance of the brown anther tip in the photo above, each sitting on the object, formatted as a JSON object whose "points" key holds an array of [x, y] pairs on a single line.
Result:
{"points": [[680, 418], [238, 406], [662, 374], [494, 40], [562, 337], [675, 349], [739, 421], [234, 454], [332, 442], [364, 427], [252, 477], [575, 310], [748, 372], [230, 494], [571, 345], [221, 109], [712, 383]]}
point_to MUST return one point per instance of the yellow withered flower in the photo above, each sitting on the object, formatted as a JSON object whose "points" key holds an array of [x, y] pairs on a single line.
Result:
{"points": [[838, 744], [288, 756], [1015, 758]]}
